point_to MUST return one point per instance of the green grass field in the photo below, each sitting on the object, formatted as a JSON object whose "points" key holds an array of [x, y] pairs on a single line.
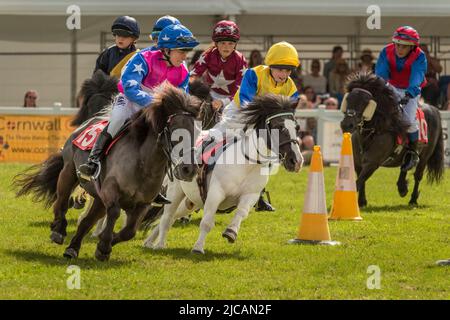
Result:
{"points": [[403, 242]]}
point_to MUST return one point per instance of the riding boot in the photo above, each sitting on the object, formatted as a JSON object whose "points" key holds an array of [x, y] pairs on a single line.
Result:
{"points": [[160, 200], [412, 157], [90, 167], [263, 205]]}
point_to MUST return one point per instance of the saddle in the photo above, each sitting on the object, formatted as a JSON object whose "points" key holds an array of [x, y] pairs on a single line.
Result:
{"points": [[208, 159], [423, 129]]}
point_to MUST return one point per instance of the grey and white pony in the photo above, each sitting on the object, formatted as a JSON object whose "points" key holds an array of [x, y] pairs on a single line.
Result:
{"points": [[240, 172]]}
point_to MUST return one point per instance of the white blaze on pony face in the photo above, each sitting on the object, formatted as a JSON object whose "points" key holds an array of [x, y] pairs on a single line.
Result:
{"points": [[291, 125]]}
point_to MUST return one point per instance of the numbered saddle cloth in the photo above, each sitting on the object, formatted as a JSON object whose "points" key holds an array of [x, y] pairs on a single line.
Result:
{"points": [[86, 139], [423, 128]]}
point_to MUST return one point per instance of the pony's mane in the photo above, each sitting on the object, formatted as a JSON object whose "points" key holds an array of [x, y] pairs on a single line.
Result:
{"points": [[262, 107], [97, 89], [200, 89], [387, 115], [167, 100]]}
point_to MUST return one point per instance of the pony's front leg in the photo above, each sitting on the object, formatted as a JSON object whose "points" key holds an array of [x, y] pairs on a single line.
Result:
{"points": [[246, 202], [175, 194], [366, 173], [175, 210], [212, 203], [109, 195]]}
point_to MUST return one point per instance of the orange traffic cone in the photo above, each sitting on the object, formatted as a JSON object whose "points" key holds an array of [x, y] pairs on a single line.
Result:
{"points": [[345, 201], [313, 227]]}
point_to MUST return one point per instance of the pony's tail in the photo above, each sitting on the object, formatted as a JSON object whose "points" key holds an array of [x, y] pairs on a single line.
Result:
{"points": [[435, 164], [153, 214], [41, 180]]}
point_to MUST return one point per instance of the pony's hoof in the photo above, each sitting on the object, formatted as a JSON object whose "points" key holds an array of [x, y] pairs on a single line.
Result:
{"points": [[362, 204], [70, 253], [443, 262], [230, 235], [198, 251], [56, 237], [413, 203], [101, 256]]}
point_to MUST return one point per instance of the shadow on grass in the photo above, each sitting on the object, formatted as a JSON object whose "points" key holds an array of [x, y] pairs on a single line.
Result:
{"points": [[393, 208], [52, 260], [186, 254]]}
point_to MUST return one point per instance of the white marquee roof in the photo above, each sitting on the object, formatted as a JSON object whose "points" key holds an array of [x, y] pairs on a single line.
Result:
{"points": [[401, 8]]}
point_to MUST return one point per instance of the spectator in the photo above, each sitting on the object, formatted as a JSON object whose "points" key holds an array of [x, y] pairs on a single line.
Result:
{"points": [[312, 100], [434, 66], [29, 101], [338, 76], [314, 79], [431, 91], [331, 104], [366, 64], [306, 147], [255, 59], [302, 102], [296, 75], [329, 66]]}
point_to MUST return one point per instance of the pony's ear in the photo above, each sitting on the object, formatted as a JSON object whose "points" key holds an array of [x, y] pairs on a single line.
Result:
{"points": [[344, 103], [369, 110]]}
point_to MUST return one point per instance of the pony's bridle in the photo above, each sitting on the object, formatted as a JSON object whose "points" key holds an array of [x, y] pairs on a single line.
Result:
{"points": [[165, 139], [352, 113], [365, 133], [269, 138]]}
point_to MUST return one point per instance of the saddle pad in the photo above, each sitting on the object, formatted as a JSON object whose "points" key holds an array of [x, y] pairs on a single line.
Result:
{"points": [[87, 138], [423, 128], [211, 150]]}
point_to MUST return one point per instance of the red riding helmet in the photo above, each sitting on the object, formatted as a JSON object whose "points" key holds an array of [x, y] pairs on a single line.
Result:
{"points": [[226, 31], [406, 35]]}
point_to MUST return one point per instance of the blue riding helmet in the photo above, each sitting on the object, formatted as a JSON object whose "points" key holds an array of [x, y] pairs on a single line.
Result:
{"points": [[161, 23], [176, 37], [126, 26]]}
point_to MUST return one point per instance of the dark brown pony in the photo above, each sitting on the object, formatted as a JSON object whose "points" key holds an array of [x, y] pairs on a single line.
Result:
{"points": [[131, 176], [374, 142]]}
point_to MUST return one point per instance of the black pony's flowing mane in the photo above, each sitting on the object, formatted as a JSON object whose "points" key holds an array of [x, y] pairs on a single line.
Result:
{"points": [[167, 100], [387, 116], [100, 85], [262, 107], [200, 89]]}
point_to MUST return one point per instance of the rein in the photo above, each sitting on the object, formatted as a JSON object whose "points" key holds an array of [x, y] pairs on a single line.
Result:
{"points": [[164, 138], [267, 127]]}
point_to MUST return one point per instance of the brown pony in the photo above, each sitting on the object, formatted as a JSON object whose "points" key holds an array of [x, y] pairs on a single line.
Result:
{"points": [[131, 175]]}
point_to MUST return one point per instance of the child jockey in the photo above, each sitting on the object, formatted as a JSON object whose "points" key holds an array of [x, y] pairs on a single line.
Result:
{"points": [[159, 25], [225, 65], [273, 77], [145, 71], [403, 64], [126, 31]]}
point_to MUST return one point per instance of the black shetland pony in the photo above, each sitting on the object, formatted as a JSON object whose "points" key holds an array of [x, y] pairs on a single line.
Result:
{"points": [[95, 94], [374, 138], [131, 177]]}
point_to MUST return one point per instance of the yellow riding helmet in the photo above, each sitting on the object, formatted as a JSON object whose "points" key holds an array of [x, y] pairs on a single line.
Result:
{"points": [[282, 54]]}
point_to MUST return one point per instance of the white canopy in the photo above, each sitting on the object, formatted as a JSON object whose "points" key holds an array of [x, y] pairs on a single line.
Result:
{"points": [[399, 8]]}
